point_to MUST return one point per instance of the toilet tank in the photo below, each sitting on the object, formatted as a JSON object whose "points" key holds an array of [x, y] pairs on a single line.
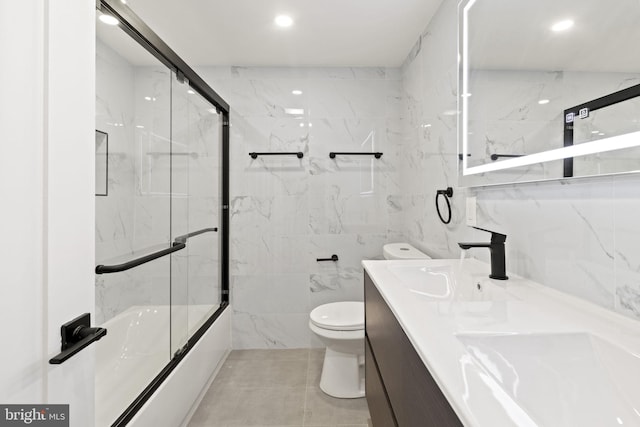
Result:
{"points": [[402, 251]]}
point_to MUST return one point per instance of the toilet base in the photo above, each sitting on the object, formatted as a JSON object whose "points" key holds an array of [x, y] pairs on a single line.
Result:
{"points": [[342, 375]]}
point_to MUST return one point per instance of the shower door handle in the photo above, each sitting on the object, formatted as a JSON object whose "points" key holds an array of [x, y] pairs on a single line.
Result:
{"points": [[77, 334]]}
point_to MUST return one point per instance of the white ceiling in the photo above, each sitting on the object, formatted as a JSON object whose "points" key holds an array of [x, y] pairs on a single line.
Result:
{"points": [[325, 32]]}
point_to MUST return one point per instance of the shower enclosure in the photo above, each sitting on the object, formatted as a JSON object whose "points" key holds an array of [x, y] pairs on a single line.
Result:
{"points": [[161, 222]]}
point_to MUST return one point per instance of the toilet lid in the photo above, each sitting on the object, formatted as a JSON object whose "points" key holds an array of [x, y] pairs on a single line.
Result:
{"points": [[339, 316]]}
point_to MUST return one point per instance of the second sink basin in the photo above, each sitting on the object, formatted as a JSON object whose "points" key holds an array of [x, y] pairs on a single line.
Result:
{"points": [[570, 379]]}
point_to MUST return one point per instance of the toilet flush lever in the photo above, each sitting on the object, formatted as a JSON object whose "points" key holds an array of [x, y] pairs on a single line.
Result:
{"points": [[334, 258], [77, 334]]}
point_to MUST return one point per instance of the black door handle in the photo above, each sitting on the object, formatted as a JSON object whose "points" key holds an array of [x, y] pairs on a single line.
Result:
{"points": [[76, 335]]}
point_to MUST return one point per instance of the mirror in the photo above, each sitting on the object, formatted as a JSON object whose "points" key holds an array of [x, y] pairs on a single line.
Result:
{"points": [[547, 89]]}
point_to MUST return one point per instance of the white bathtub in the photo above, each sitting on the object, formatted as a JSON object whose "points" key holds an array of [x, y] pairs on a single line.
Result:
{"points": [[137, 347]]}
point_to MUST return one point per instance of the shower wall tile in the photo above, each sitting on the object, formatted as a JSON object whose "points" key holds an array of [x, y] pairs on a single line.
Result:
{"points": [[134, 107], [286, 212], [576, 236]]}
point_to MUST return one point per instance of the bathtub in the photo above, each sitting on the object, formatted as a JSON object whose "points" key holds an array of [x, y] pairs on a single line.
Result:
{"points": [[137, 347]]}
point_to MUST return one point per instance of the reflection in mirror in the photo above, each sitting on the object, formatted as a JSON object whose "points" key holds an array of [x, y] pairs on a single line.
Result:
{"points": [[522, 65]]}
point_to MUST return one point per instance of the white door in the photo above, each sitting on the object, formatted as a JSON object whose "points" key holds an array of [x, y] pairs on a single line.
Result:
{"points": [[46, 200]]}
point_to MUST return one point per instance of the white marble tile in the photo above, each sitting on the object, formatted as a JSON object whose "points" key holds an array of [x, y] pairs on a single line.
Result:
{"points": [[328, 288], [273, 294], [280, 215], [252, 331], [286, 212], [347, 98], [627, 233]]}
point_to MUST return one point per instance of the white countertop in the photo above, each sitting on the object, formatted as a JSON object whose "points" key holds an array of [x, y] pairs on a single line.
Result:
{"points": [[482, 347]]}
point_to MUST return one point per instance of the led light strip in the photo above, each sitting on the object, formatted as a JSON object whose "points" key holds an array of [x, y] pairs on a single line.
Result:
{"points": [[613, 143]]}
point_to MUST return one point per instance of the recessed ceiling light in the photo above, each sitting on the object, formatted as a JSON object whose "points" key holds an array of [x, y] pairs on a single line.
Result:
{"points": [[283, 21], [543, 101], [294, 111], [296, 92], [562, 25], [108, 19], [595, 131], [601, 134], [140, 126]]}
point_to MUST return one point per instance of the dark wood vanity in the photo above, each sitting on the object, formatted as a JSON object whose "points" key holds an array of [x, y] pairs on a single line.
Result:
{"points": [[400, 390]]}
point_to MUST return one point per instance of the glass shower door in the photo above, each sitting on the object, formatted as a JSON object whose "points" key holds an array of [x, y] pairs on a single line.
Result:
{"points": [[133, 204], [196, 210]]}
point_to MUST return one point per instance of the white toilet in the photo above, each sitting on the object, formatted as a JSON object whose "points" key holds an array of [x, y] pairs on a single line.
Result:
{"points": [[402, 251], [340, 326]]}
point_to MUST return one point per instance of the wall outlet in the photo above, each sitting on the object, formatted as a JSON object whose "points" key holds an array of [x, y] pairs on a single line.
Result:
{"points": [[471, 211]]}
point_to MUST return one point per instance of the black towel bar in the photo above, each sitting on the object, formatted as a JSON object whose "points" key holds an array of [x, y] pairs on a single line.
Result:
{"points": [[495, 157], [298, 154], [333, 154]]}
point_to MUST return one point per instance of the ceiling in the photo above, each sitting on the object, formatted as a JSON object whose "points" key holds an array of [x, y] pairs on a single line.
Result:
{"points": [[352, 33]]}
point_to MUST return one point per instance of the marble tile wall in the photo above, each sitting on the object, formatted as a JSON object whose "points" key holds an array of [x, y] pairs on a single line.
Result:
{"points": [[577, 236], [286, 212]]}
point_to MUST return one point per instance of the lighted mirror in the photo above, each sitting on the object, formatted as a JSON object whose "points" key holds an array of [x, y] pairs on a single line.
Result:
{"points": [[548, 89]]}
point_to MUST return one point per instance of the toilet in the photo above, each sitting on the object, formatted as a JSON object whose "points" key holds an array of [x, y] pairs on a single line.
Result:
{"points": [[402, 251], [340, 326]]}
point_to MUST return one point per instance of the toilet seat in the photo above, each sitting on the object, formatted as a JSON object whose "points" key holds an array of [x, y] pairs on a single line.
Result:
{"points": [[339, 316]]}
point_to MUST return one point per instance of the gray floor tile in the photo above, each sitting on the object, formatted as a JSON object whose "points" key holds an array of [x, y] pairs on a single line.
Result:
{"points": [[284, 354], [314, 371], [275, 388], [251, 407], [322, 409], [316, 354], [264, 373]]}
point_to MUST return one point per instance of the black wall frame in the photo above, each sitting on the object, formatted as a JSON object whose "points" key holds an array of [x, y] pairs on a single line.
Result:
{"points": [[140, 32], [596, 104]]}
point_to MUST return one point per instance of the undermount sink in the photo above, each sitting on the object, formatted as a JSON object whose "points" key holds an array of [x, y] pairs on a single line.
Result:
{"points": [[565, 379], [445, 282]]}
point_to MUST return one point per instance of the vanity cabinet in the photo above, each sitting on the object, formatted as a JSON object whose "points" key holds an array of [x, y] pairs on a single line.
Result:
{"points": [[400, 390]]}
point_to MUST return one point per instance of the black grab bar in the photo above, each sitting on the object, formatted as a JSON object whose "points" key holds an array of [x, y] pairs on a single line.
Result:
{"points": [[105, 269], [185, 237], [298, 154], [333, 154]]}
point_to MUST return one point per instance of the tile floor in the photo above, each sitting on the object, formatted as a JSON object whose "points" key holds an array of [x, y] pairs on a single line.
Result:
{"points": [[275, 388]]}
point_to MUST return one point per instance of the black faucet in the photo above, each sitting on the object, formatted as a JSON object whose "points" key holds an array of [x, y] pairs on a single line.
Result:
{"points": [[496, 247]]}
